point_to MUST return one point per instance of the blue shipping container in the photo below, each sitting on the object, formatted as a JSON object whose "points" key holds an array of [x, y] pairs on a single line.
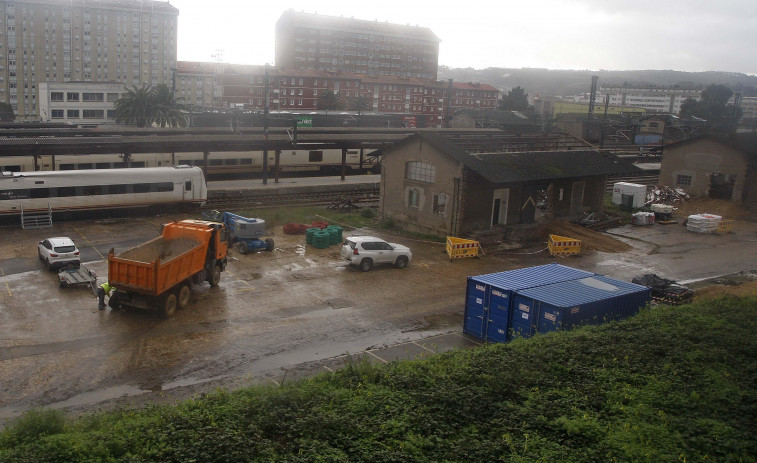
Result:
{"points": [[488, 297], [563, 305]]}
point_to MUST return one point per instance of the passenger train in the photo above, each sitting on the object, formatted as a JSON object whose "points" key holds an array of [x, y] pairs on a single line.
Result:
{"points": [[220, 164], [35, 192]]}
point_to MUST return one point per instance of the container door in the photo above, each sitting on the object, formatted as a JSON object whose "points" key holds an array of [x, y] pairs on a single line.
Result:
{"points": [[550, 319], [474, 309], [522, 321], [498, 320]]}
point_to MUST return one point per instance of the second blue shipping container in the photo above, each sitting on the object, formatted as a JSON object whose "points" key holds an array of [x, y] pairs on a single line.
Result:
{"points": [[488, 297], [592, 300]]}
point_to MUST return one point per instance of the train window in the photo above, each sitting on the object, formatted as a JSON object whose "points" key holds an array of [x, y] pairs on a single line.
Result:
{"points": [[66, 167], [164, 186], [141, 188], [65, 191], [216, 162], [11, 168], [232, 162], [84, 166], [245, 161], [39, 193], [92, 190], [102, 165], [185, 162], [117, 189], [315, 156], [138, 164], [188, 185], [119, 165], [200, 162]]}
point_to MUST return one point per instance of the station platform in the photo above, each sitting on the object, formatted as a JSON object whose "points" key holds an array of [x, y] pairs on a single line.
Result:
{"points": [[251, 187]]}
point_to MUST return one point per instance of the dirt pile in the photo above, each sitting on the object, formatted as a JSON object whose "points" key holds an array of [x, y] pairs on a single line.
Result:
{"points": [[590, 240]]}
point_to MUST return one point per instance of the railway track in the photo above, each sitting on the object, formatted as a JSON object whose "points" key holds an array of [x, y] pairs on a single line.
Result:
{"points": [[364, 197]]}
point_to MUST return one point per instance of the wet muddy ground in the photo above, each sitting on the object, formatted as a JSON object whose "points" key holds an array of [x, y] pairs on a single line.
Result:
{"points": [[276, 316]]}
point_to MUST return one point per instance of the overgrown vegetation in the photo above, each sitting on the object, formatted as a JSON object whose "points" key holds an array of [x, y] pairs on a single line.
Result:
{"points": [[358, 218], [671, 384]]}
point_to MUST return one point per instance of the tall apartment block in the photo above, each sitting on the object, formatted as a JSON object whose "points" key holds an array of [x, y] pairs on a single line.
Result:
{"points": [[335, 44], [130, 42]]}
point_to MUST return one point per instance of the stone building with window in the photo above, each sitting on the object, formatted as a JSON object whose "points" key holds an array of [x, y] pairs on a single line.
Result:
{"points": [[712, 167], [448, 186]]}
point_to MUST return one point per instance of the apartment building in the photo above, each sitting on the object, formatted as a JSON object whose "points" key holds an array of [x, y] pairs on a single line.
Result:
{"points": [[131, 42], [653, 99], [336, 44], [197, 84]]}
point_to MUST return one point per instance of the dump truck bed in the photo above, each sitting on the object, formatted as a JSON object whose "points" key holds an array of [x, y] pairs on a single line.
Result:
{"points": [[157, 265]]}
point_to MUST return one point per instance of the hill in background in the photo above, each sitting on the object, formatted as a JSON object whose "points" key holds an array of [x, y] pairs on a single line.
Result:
{"points": [[546, 82]]}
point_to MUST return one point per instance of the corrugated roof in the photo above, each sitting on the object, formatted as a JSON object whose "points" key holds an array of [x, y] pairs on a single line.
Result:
{"points": [[573, 293], [528, 166]]}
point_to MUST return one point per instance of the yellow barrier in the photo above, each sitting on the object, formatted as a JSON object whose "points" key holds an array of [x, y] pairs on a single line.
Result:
{"points": [[725, 226], [563, 246], [458, 247]]}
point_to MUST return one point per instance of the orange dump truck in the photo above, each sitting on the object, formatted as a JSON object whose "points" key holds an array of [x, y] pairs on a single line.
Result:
{"points": [[162, 272]]}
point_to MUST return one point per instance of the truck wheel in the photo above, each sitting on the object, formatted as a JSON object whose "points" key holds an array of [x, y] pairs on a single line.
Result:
{"points": [[169, 305], [215, 277], [269, 244], [183, 296]]}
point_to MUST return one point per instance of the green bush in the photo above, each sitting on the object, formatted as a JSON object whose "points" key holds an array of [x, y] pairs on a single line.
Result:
{"points": [[368, 212], [670, 384]]}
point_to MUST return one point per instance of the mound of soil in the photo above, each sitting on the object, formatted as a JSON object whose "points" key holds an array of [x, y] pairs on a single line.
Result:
{"points": [[591, 240]]}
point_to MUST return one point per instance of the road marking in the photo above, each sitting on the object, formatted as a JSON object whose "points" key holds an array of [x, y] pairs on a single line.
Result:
{"points": [[468, 339], [371, 353], [90, 244], [423, 347], [6, 283]]}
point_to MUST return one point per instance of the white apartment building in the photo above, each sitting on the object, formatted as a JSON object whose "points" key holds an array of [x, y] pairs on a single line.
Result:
{"points": [[79, 103], [131, 42], [654, 99]]}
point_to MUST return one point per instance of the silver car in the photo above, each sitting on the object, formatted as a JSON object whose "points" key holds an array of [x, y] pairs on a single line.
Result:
{"points": [[367, 251], [58, 252]]}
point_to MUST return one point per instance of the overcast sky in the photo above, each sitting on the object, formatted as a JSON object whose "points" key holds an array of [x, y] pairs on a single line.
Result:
{"points": [[681, 35]]}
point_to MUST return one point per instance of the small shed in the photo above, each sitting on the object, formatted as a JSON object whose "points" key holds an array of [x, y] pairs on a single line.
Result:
{"points": [[488, 297]]}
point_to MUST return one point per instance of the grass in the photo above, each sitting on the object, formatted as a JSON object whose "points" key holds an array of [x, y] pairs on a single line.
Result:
{"points": [[670, 384], [358, 218]]}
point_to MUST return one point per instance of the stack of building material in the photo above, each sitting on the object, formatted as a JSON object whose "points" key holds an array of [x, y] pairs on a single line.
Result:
{"points": [[703, 223], [642, 218]]}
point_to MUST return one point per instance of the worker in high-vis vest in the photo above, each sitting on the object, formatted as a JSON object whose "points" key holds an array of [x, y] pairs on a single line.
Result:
{"points": [[102, 290]]}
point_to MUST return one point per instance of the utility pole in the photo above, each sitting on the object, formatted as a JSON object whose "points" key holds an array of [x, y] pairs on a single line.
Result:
{"points": [[265, 127]]}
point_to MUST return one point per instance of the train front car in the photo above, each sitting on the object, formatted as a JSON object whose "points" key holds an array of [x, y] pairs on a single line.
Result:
{"points": [[80, 190]]}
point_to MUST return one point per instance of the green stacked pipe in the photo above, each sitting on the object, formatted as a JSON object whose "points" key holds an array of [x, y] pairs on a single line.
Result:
{"points": [[321, 239]]}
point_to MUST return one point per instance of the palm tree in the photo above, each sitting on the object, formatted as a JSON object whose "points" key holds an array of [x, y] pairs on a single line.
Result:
{"points": [[136, 106], [166, 112]]}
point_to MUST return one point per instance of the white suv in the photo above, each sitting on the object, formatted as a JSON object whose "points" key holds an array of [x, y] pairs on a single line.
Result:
{"points": [[365, 251], [58, 252]]}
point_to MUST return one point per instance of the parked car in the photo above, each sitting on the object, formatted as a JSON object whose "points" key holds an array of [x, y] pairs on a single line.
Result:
{"points": [[367, 251], [58, 252]]}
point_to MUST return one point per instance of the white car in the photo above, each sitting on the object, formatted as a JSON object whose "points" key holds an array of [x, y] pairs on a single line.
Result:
{"points": [[367, 251], [58, 252]]}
